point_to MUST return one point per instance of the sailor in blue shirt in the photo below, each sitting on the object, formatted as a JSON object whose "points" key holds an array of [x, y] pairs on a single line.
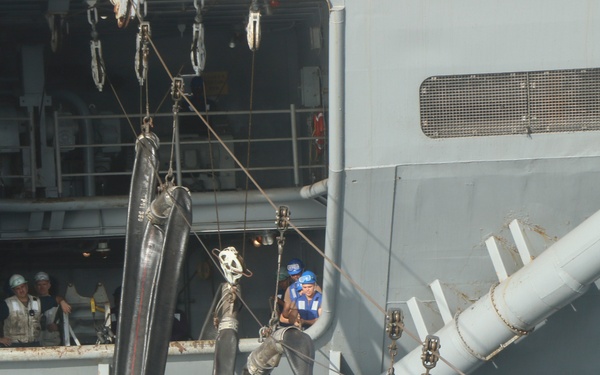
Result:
{"points": [[308, 303]]}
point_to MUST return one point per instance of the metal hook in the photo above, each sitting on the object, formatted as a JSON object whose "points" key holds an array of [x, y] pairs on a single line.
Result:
{"points": [[198, 50], [147, 124], [142, 52], [97, 64]]}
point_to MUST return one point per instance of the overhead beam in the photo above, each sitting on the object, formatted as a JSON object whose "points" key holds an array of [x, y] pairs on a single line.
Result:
{"points": [[106, 216]]}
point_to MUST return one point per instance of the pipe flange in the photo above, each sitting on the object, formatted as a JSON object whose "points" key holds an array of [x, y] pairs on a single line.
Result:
{"points": [[473, 352], [279, 333], [515, 330]]}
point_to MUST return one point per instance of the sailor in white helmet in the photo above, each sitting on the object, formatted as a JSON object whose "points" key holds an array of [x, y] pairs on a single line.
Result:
{"points": [[21, 314], [50, 331]]}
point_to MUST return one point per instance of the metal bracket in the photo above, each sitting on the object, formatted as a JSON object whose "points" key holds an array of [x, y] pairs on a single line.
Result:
{"points": [[394, 327], [431, 353], [142, 52], [253, 29], [198, 50]]}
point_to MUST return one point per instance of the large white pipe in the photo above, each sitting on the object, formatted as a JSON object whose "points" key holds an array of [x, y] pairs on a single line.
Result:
{"points": [[558, 276], [315, 190]]}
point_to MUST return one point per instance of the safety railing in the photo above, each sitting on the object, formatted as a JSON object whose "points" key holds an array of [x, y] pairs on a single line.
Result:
{"points": [[89, 152]]}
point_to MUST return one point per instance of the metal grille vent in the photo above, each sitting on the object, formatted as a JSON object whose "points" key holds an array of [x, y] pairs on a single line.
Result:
{"points": [[511, 103]]}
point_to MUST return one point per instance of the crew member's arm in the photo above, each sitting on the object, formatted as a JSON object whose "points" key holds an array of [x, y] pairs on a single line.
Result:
{"points": [[289, 305], [64, 305]]}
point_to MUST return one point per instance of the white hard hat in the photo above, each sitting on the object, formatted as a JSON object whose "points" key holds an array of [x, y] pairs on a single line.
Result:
{"points": [[16, 280], [41, 276]]}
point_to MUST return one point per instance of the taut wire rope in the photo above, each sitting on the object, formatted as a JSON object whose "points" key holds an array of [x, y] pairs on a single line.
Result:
{"points": [[248, 154], [269, 200]]}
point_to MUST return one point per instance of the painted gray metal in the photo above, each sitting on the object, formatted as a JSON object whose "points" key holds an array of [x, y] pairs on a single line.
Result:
{"points": [[513, 308], [106, 216], [450, 195], [415, 209]]}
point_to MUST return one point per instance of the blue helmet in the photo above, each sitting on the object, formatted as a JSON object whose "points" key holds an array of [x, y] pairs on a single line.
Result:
{"points": [[295, 266], [308, 278]]}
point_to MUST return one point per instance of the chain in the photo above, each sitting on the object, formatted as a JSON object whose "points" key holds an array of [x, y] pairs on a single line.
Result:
{"points": [[142, 52], [393, 351], [394, 329], [96, 50]]}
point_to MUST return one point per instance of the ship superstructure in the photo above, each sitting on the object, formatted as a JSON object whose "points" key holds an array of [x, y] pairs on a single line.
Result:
{"points": [[442, 155]]}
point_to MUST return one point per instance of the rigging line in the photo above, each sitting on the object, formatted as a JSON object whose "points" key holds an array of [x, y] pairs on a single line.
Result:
{"points": [[175, 130], [218, 267], [339, 269], [450, 364], [307, 358], [237, 293], [159, 56], [147, 85], [261, 190], [355, 285], [212, 168], [233, 157], [121, 104], [156, 171], [135, 134], [248, 151], [160, 182], [274, 313], [362, 291], [141, 109], [182, 94], [222, 300], [167, 92], [171, 77]]}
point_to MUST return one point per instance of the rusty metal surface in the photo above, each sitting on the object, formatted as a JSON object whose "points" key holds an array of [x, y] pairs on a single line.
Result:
{"points": [[57, 353]]}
